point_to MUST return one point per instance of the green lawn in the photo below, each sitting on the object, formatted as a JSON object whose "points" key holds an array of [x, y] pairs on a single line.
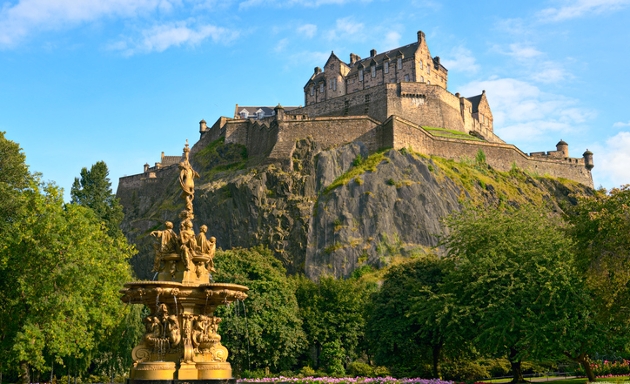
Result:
{"points": [[450, 133]]}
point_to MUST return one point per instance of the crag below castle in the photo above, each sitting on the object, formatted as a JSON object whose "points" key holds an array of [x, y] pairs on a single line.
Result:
{"points": [[337, 210]]}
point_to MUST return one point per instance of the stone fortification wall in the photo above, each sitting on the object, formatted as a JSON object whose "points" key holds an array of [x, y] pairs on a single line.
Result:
{"points": [[499, 156], [327, 131]]}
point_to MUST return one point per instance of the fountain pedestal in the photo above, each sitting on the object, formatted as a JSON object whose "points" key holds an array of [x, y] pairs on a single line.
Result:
{"points": [[181, 342]]}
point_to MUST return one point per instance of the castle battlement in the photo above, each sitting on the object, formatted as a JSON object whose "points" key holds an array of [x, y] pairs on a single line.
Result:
{"points": [[396, 99]]}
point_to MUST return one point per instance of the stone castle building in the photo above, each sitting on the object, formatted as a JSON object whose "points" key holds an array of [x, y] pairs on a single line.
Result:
{"points": [[395, 99]]}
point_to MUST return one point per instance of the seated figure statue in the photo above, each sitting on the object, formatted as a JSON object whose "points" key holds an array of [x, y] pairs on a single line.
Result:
{"points": [[168, 244], [206, 247]]}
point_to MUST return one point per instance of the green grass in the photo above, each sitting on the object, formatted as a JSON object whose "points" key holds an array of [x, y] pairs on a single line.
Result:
{"points": [[360, 167], [450, 134]]}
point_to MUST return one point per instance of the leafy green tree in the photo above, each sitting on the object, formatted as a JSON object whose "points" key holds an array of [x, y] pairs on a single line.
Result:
{"points": [[512, 282], [265, 330], [600, 229], [333, 311], [59, 284], [403, 334], [94, 190]]}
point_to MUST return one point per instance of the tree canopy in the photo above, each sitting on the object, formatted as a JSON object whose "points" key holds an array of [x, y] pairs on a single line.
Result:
{"points": [[264, 331], [93, 190]]}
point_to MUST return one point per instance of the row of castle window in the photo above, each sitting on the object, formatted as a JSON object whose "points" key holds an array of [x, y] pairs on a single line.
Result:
{"points": [[333, 83]]}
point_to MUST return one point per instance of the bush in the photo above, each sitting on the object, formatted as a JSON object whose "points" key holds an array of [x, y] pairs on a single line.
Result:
{"points": [[332, 358], [358, 368], [307, 371], [381, 372], [464, 371]]}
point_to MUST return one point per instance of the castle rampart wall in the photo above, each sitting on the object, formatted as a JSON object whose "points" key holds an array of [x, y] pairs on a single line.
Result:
{"points": [[328, 131], [499, 156]]}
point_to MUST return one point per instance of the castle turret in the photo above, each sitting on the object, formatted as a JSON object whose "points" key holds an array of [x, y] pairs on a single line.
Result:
{"points": [[588, 160], [146, 167], [279, 109], [563, 147], [202, 126]]}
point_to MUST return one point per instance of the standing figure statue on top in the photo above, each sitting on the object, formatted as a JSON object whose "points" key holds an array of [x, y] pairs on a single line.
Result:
{"points": [[187, 176]]}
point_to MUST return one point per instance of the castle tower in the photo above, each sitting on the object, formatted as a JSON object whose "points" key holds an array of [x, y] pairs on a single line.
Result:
{"points": [[588, 160], [563, 147]]}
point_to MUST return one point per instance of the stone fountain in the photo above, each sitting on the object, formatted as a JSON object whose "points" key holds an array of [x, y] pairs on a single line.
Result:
{"points": [[181, 342]]}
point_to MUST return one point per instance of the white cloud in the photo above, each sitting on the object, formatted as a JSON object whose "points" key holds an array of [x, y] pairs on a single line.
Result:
{"points": [[621, 124], [161, 37], [525, 114], [307, 58], [347, 29], [29, 16], [523, 51], [289, 3], [460, 59], [612, 163], [282, 44], [577, 8], [392, 40], [548, 72], [308, 30]]}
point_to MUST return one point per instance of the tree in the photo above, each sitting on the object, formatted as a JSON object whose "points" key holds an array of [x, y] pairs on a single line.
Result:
{"points": [[59, 285], [512, 282], [333, 312], [93, 190], [402, 333], [600, 229], [263, 332]]}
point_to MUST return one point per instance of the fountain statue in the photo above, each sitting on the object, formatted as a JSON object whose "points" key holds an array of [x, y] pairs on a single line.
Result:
{"points": [[181, 342]]}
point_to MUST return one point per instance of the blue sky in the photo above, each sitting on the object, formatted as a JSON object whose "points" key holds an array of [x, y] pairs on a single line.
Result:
{"points": [[123, 80]]}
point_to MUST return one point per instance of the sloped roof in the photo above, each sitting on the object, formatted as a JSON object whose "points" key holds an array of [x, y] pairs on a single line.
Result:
{"points": [[251, 111], [475, 100]]}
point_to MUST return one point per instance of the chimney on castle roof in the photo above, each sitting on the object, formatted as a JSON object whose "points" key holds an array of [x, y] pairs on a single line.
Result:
{"points": [[420, 36], [372, 52], [354, 58], [318, 70]]}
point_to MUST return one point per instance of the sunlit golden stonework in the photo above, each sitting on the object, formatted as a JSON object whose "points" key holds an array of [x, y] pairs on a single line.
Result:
{"points": [[181, 341]]}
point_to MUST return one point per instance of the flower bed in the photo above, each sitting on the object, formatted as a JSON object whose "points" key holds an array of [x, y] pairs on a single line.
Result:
{"points": [[344, 380]]}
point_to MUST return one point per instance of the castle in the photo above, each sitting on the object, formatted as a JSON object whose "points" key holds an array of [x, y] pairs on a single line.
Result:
{"points": [[395, 99]]}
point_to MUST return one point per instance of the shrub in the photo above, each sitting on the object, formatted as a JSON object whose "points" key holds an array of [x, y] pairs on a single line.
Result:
{"points": [[332, 358], [307, 371], [358, 368], [464, 371]]}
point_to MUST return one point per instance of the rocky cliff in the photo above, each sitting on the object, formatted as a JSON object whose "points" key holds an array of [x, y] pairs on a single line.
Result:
{"points": [[334, 211]]}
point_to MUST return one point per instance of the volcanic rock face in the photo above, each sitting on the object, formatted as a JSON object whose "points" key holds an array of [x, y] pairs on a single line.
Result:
{"points": [[335, 211]]}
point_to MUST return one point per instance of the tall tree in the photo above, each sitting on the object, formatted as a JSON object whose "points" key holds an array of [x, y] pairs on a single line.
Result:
{"points": [[402, 333], [94, 190], [60, 283], [512, 282], [14, 178], [263, 332], [333, 312]]}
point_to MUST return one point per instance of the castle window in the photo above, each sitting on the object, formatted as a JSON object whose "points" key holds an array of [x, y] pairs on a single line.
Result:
{"points": [[406, 77], [400, 63], [429, 69], [420, 64], [260, 114], [374, 71], [422, 79], [321, 87], [360, 74], [312, 90], [429, 82], [243, 114], [386, 67], [334, 84]]}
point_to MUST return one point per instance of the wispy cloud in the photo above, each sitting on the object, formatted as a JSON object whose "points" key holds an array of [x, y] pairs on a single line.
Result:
{"points": [[281, 45], [391, 40], [578, 8], [161, 37], [525, 114], [522, 51], [346, 28], [460, 59], [308, 30], [289, 3], [612, 160], [30, 16], [621, 124]]}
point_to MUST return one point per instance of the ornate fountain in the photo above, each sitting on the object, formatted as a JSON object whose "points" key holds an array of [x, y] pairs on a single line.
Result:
{"points": [[181, 342]]}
